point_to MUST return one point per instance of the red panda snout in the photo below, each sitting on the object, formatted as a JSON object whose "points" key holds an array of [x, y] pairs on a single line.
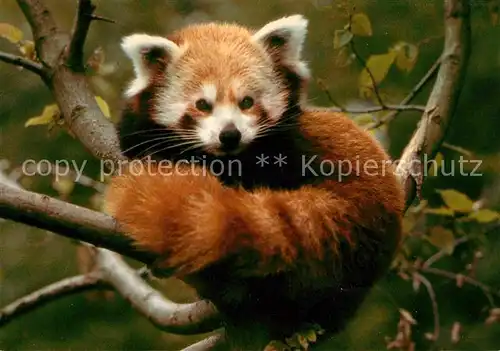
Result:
{"points": [[227, 130]]}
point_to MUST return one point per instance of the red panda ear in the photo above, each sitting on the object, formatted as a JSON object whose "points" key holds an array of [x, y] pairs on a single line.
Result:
{"points": [[148, 54], [283, 40]]}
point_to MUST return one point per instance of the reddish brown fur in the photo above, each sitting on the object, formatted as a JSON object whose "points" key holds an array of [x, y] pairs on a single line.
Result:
{"points": [[201, 226]]}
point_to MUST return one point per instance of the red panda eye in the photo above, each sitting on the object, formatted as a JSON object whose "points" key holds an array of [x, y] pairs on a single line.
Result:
{"points": [[203, 105], [246, 103]]}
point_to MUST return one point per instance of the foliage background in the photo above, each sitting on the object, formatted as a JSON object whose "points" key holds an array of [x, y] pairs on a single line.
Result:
{"points": [[31, 258]]}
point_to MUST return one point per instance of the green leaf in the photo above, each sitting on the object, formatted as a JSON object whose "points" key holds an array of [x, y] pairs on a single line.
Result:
{"points": [[11, 33], [360, 25], [48, 116], [484, 216], [406, 55], [342, 37], [441, 211], [442, 238], [103, 105], [456, 200], [379, 66]]}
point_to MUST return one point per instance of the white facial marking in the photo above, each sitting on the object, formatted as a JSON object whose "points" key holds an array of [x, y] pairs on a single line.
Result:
{"points": [[169, 113], [209, 92], [210, 127]]}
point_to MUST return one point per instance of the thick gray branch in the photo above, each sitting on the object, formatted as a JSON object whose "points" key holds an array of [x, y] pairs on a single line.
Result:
{"points": [[70, 88], [192, 318], [66, 219], [443, 100]]}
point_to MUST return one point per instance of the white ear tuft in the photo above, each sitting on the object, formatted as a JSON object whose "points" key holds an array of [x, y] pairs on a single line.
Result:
{"points": [[146, 51], [285, 38]]}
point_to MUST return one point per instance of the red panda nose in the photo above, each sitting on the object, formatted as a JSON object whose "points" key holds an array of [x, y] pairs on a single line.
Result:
{"points": [[230, 137]]}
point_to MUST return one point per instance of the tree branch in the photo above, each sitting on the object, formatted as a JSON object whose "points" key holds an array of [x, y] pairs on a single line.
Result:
{"points": [[193, 318], [210, 343], [487, 291], [435, 308], [30, 65], [50, 293], [372, 109], [443, 100], [111, 270], [66, 219], [80, 31], [70, 88]]}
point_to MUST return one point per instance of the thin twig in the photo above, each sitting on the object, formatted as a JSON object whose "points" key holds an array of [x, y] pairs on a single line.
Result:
{"points": [[80, 31], [487, 291], [365, 66], [101, 18], [58, 171], [373, 109], [30, 65], [442, 253], [325, 89], [50, 293], [432, 296], [413, 93]]}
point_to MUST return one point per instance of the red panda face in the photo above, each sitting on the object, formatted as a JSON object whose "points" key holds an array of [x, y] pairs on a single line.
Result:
{"points": [[218, 85]]}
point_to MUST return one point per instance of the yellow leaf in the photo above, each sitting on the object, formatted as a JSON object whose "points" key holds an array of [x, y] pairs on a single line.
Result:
{"points": [[103, 105], [379, 66], [63, 185], [407, 55], [48, 116], [360, 25], [342, 37], [441, 211], [442, 238], [11, 33], [457, 201], [28, 49], [484, 216]]}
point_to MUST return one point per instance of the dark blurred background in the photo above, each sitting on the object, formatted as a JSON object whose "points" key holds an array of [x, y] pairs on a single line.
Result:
{"points": [[31, 258]]}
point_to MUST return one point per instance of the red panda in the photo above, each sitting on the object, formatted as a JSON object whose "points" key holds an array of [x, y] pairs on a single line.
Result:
{"points": [[307, 222]]}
